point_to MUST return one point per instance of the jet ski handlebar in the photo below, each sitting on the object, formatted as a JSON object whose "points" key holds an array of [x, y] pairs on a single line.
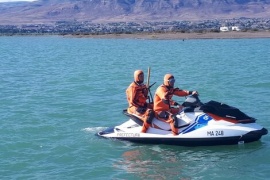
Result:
{"points": [[192, 101]]}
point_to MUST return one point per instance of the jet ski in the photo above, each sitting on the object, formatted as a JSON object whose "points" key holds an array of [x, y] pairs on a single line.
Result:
{"points": [[200, 124]]}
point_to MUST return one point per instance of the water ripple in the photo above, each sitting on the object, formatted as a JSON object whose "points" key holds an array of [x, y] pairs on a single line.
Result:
{"points": [[57, 93]]}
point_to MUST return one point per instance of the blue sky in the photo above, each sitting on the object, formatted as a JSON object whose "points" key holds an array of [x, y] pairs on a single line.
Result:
{"points": [[14, 0]]}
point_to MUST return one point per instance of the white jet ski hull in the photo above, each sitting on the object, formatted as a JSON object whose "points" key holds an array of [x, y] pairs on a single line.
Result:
{"points": [[197, 127], [205, 136]]}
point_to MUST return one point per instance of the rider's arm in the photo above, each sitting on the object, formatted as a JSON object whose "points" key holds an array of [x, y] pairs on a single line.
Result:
{"points": [[180, 92]]}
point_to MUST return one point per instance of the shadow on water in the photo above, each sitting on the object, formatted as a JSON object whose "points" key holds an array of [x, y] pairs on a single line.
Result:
{"points": [[176, 162]]}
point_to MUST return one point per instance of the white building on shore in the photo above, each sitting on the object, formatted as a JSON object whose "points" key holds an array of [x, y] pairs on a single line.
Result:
{"points": [[235, 28], [224, 29]]}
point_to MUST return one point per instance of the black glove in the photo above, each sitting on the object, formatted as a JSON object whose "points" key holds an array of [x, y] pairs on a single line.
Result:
{"points": [[141, 110], [175, 104]]}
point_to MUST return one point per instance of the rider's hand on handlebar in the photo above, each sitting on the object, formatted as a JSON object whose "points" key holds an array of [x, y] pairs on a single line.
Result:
{"points": [[195, 93]]}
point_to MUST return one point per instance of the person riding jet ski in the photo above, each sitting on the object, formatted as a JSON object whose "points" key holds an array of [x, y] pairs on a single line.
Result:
{"points": [[163, 102], [137, 95]]}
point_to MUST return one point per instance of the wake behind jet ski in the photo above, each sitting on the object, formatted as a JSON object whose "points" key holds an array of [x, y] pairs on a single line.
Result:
{"points": [[199, 124]]}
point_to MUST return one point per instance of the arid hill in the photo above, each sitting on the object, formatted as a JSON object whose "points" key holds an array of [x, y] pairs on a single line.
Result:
{"points": [[100, 11]]}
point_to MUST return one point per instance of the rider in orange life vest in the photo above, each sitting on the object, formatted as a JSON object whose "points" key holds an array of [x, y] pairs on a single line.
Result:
{"points": [[163, 102], [137, 94]]}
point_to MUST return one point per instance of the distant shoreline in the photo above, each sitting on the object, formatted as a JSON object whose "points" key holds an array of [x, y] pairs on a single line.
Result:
{"points": [[161, 36], [181, 36]]}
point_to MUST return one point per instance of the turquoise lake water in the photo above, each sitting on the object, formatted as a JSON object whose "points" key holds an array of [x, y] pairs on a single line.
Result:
{"points": [[56, 93]]}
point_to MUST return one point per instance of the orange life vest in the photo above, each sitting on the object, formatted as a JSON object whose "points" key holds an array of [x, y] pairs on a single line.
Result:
{"points": [[164, 93], [137, 95]]}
